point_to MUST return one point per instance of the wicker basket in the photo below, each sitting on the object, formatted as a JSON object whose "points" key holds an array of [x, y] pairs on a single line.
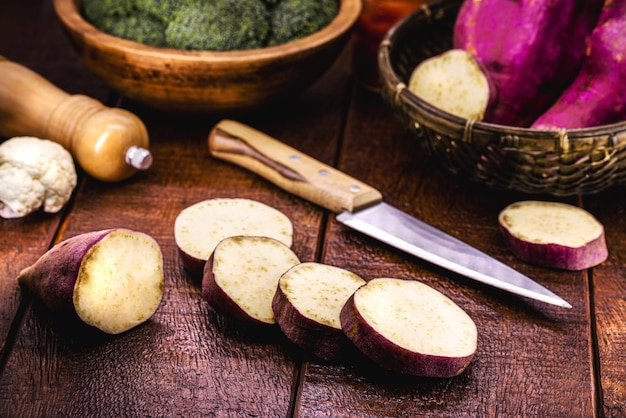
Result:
{"points": [[560, 163]]}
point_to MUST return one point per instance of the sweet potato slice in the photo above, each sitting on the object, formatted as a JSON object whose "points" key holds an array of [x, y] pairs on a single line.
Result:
{"points": [[110, 279], [408, 327], [241, 276], [453, 82], [199, 227], [553, 234], [307, 304]]}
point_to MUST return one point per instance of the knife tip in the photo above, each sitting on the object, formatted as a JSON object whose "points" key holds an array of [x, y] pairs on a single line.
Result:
{"points": [[562, 303]]}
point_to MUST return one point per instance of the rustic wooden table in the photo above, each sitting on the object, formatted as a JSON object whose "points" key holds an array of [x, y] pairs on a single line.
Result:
{"points": [[533, 359]]}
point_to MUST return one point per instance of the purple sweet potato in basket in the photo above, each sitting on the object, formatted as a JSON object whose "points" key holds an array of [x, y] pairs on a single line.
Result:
{"points": [[529, 51], [598, 94]]}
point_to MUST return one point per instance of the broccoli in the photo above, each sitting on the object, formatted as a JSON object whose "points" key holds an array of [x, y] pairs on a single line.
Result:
{"points": [[122, 18], [161, 9], [102, 13], [139, 27], [219, 25], [295, 19]]}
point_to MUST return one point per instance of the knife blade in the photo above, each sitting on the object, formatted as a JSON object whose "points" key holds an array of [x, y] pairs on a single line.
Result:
{"points": [[361, 207]]}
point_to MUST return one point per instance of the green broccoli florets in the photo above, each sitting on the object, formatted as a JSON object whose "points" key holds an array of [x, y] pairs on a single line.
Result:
{"points": [[161, 9], [102, 13], [219, 25], [295, 19], [139, 27], [122, 18]]}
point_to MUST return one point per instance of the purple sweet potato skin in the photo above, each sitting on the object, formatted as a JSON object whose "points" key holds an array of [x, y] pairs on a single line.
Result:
{"points": [[192, 265], [392, 357], [558, 256], [598, 94], [531, 49], [53, 276], [325, 342], [221, 301]]}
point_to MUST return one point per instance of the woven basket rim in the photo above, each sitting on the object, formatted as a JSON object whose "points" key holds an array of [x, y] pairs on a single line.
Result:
{"points": [[426, 12], [558, 162]]}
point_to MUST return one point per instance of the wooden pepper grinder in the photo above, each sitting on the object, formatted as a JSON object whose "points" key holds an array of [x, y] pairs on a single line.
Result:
{"points": [[110, 144]]}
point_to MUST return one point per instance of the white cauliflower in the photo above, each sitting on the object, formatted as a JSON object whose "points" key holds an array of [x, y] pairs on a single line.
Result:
{"points": [[34, 173]]}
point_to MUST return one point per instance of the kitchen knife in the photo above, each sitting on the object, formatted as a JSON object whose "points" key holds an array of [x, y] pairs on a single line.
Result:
{"points": [[360, 207]]}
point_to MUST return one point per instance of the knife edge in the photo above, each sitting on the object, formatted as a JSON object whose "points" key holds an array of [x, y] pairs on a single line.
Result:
{"points": [[301, 175], [525, 286]]}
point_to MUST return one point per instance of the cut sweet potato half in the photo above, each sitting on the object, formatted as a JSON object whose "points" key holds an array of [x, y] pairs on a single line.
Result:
{"points": [[453, 82], [111, 279]]}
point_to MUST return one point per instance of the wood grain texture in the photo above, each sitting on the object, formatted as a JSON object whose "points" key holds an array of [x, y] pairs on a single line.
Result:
{"points": [[186, 360], [609, 302], [211, 364], [521, 345], [289, 168], [30, 36], [533, 359]]}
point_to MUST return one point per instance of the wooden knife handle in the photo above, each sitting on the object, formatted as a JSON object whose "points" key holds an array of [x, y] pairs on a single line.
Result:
{"points": [[109, 143], [289, 169]]}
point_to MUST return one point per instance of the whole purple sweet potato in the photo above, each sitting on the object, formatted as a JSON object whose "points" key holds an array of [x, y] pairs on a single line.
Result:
{"points": [[110, 279], [598, 94], [531, 50]]}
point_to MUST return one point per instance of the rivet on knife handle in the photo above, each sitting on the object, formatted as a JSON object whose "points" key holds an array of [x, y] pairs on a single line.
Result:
{"points": [[289, 169]]}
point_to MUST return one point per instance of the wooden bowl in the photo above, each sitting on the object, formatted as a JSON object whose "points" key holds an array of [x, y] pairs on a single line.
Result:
{"points": [[207, 81], [560, 163]]}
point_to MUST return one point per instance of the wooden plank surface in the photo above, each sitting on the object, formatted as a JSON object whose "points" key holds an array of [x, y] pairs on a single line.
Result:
{"points": [[187, 360], [609, 302], [518, 369], [533, 359], [30, 36]]}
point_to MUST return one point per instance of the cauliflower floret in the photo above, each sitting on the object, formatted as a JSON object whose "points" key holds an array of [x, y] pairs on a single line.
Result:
{"points": [[19, 192], [34, 173]]}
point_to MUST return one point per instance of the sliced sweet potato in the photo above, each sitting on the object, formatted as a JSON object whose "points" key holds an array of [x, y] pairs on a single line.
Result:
{"points": [[111, 279], [241, 276], [199, 227], [553, 234], [453, 82], [307, 304], [408, 327]]}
